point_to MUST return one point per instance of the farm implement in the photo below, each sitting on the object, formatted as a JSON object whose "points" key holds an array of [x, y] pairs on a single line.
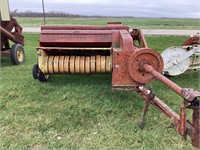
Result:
{"points": [[182, 59], [115, 49], [11, 32]]}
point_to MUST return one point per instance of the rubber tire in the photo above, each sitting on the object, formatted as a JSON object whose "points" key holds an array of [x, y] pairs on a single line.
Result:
{"points": [[42, 77], [35, 71], [13, 54]]}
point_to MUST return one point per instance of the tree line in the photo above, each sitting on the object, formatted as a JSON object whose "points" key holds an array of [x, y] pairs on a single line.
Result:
{"points": [[47, 14], [58, 14]]}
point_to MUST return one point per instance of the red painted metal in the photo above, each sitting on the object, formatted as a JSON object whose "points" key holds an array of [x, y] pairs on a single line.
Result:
{"points": [[182, 126], [76, 40], [110, 26], [138, 59], [17, 38], [149, 69], [84, 49], [192, 41], [196, 125], [12, 31], [191, 101], [7, 34], [148, 95], [142, 42]]}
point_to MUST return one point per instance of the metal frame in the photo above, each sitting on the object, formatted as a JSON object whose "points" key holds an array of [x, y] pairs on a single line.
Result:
{"points": [[10, 31], [112, 48]]}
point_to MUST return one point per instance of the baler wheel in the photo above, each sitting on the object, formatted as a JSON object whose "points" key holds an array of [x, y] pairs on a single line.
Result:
{"points": [[42, 77], [17, 54], [38, 74], [35, 71]]}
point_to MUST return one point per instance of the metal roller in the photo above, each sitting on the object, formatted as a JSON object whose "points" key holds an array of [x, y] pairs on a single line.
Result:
{"points": [[72, 65], [87, 65], [50, 66], [92, 63], [82, 65], [103, 64], [78, 64], [98, 64], [56, 64], [66, 64], [108, 64], [61, 64]]}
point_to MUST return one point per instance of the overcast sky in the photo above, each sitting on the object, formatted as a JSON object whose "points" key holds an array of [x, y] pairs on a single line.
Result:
{"points": [[136, 8]]}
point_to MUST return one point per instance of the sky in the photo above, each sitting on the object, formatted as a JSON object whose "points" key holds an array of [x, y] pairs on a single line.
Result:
{"points": [[132, 8]]}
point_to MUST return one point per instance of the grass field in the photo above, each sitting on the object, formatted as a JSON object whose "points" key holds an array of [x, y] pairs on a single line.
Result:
{"points": [[80, 111], [143, 23]]}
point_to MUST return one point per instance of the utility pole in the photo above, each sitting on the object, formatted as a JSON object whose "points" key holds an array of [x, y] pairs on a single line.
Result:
{"points": [[43, 12]]}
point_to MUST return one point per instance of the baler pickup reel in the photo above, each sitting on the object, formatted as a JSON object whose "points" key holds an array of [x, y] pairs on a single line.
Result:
{"points": [[113, 49]]}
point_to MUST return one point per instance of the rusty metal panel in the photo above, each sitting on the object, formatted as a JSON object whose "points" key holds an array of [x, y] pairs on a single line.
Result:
{"points": [[76, 38], [108, 27], [115, 38], [4, 10], [126, 41], [138, 36], [17, 38], [120, 74]]}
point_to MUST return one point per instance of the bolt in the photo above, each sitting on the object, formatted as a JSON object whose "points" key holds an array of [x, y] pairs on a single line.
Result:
{"points": [[117, 66]]}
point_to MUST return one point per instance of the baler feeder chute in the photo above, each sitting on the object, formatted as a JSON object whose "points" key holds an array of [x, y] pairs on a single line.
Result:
{"points": [[113, 49]]}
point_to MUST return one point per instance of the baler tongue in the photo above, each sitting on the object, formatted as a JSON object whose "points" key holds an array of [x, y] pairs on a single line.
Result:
{"points": [[191, 99]]}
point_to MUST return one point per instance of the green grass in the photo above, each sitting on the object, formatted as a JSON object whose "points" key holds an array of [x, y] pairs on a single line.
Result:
{"points": [[81, 111], [143, 23]]}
